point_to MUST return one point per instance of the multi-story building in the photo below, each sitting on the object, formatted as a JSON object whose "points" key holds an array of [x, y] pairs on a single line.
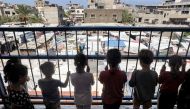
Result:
{"points": [[104, 11], [7, 10], [76, 12], [171, 12], [103, 15], [51, 13]]}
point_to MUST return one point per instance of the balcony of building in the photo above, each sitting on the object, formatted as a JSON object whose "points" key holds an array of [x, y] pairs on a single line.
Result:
{"points": [[59, 45]]}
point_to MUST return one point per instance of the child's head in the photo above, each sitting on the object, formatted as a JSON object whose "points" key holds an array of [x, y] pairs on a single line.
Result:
{"points": [[146, 57], [80, 60], [14, 60], [16, 73], [47, 68], [11, 61], [175, 62], [113, 57]]}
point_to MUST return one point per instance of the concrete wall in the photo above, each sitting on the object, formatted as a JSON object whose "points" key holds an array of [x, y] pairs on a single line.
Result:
{"points": [[103, 15]]}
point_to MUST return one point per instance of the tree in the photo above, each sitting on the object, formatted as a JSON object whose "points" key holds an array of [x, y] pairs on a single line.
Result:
{"points": [[23, 13], [127, 17], [4, 19]]}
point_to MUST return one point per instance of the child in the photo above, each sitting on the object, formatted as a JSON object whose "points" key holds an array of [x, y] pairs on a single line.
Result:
{"points": [[144, 81], [113, 81], [17, 75], [49, 86], [183, 101], [82, 82], [170, 81]]}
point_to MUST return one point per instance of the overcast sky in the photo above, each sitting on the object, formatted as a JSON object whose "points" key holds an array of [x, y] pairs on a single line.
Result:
{"points": [[83, 2]]}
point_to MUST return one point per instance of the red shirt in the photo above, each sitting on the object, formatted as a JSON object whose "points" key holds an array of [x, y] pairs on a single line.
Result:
{"points": [[170, 84], [113, 84]]}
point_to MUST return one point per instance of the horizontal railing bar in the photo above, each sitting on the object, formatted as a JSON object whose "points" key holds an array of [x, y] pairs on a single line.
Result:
{"points": [[96, 28], [99, 57]]}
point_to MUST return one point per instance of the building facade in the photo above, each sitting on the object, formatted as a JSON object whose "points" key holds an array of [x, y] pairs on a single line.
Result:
{"points": [[99, 11], [51, 13], [171, 12], [103, 15], [76, 12]]}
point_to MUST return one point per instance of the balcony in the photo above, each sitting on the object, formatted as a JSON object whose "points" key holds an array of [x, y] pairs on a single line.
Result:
{"points": [[59, 45]]}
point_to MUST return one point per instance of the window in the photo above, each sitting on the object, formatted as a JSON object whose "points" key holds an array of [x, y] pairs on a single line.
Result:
{"points": [[184, 12], [114, 16], [78, 11], [7, 12], [92, 16]]}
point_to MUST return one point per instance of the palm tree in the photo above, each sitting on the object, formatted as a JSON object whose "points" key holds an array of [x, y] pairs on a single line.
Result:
{"points": [[23, 13]]}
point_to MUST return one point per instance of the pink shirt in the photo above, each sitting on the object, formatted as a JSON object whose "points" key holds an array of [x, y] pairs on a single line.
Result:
{"points": [[113, 84]]}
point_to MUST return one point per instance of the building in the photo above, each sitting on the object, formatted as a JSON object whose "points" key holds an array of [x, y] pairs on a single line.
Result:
{"points": [[99, 11], [103, 15], [51, 13], [171, 12], [76, 12], [7, 10]]}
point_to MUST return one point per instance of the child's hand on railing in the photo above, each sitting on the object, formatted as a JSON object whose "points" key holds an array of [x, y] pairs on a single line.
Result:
{"points": [[106, 68], [163, 68], [68, 73], [184, 65], [87, 69]]}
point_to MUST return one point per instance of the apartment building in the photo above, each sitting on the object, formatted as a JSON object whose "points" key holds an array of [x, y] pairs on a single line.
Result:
{"points": [[7, 10], [171, 12], [99, 11], [76, 12], [51, 13]]}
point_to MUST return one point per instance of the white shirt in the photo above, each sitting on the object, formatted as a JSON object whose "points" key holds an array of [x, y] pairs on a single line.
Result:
{"points": [[82, 87]]}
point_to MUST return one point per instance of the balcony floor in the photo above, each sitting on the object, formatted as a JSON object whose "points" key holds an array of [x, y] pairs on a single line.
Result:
{"points": [[93, 107]]}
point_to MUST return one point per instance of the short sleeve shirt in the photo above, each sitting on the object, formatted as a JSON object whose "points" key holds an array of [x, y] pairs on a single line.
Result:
{"points": [[113, 84], [49, 89], [82, 87]]}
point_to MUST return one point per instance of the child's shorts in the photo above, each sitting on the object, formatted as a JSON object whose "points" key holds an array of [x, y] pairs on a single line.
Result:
{"points": [[52, 104], [146, 104]]}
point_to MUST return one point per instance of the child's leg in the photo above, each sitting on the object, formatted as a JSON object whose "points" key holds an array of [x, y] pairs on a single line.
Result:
{"points": [[147, 104], [111, 106], [83, 106], [136, 104]]}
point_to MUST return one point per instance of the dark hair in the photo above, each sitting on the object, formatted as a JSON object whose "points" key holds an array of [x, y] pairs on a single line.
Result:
{"points": [[175, 60], [47, 68], [146, 56], [11, 61], [80, 60], [14, 60], [14, 72], [113, 57]]}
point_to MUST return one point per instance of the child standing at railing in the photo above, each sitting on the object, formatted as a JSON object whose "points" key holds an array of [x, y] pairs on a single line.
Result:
{"points": [[82, 81], [17, 75], [144, 81], [49, 86], [170, 81], [183, 101], [113, 81]]}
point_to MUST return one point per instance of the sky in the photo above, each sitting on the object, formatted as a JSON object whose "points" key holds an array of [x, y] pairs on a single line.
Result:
{"points": [[83, 2]]}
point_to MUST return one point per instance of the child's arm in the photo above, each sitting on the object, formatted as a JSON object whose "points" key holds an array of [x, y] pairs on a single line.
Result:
{"points": [[161, 76], [183, 66], [66, 81], [106, 68], [132, 80], [88, 69], [92, 80]]}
